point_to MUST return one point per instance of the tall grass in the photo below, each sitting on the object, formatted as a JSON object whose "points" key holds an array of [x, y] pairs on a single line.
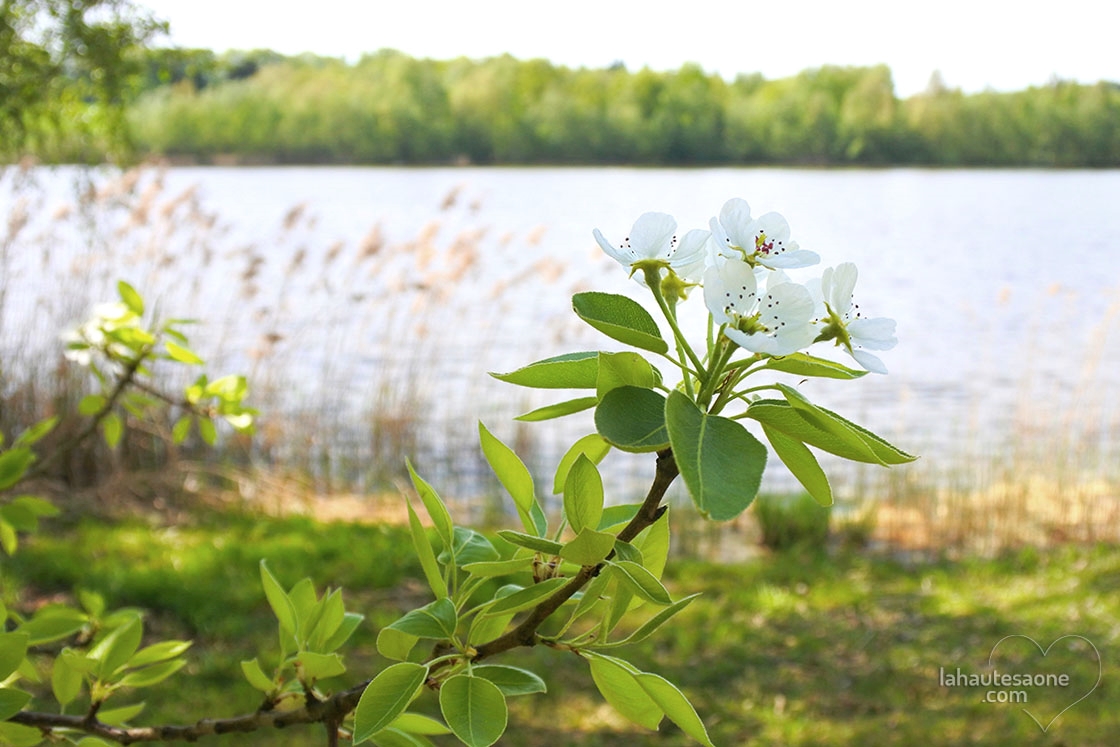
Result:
{"points": [[362, 353]]}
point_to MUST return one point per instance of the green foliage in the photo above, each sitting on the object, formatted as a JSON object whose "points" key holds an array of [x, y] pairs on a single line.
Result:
{"points": [[390, 108]]}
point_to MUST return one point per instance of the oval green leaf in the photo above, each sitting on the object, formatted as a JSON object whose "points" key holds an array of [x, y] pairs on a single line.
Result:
{"points": [[474, 709], [558, 410], [720, 461], [569, 371], [618, 683], [802, 464], [633, 419], [675, 705], [386, 697], [583, 495], [511, 680], [620, 318]]}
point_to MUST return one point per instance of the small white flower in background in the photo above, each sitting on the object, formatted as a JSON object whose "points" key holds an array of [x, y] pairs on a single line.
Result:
{"points": [[774, 321], [82, 341], [844, 323], [758, 241], [654, 236]]}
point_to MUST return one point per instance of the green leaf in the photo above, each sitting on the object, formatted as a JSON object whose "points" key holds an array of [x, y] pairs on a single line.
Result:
{"points": [[530, 541], [278, 600], [435, 620], [618, 683], [114, 650], [181, 429], [416, 723], [256, 677], [633, 419], [494, 568], [35, 432], [651, 625], [591, 446], [386, 697], [424, 553], [640, 581], [470, 547], [133, 300], [207, 431], [653, 542], [182, 354], [119, 716], [624, 369], [395, 644], [153, 674], [332, 616], [620, 318], [802, 464], [112, 428], [511, 681], [320, 666], [12, 702], [13, 466], [558, 410], [474, 708], [720, 461], [588, 548], [158, 652], [350, 622], [53, 623], [13, 647], [583, 495], [675, 705], [18, 735], [802, 364], [66, 680], [525, 598], [514, 476], [569, 371], [91, 404], [433, 504]]}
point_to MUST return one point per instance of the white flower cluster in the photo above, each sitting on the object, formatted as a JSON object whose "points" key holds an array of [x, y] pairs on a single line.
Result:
{"points": [[91, 336], [741, 262]]}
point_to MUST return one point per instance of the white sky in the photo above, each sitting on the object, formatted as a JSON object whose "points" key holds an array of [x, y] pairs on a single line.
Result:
{"points": [[975, 44]]}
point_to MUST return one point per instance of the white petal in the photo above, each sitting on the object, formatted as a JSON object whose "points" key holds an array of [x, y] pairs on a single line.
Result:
{"points": [[619, 255], [869, 362], [843, 283], [730, 290], [789, 260], [735, 218], [693, 254], [652, 236], [875, 334]]}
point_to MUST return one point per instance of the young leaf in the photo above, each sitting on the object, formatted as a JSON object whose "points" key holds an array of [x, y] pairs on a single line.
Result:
{"points": [[511, 680], [801, 364], [494, 568], [386, 697], [624, 369], [641, 582], [117, 717], [115, 649], [802, 464], [278, 600], [583, 495], [632, 419], [133, 300], [182, 354], [620, 318], [618, 683], [13, 647], [12, 702], [66, 681], [675, 705], [558, 410], [514, 476], [320, 666], [152, 675], [13, 465], [158, 652], [433, 504], [395, 644], [424, 553], [570, 371], [474, 708], [256, 676], [592, 446], [525, 598], [350, 622], [91, 404], [435, 620], [35, 432], [470, 547], [531, 542], [649, 626], [720, 461], [588, 548]]}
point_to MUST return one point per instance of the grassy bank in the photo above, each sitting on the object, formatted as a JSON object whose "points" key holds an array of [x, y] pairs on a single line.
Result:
{"points": [[795, 648]]}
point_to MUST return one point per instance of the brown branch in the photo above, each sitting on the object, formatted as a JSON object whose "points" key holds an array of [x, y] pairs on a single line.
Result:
{"points": [[334, 709], [525, 634]]}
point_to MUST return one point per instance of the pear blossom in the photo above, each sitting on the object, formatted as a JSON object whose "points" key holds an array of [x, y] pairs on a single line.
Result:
{"points": [[654, 237], [775, 321], [90, 335], [843, 322], [758, 241]]}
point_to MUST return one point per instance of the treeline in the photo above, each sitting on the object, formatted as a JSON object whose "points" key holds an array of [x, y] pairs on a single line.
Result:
{"points": [[389, 108]]}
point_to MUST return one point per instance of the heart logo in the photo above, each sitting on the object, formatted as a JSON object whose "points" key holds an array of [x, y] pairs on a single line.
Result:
{"points": [[1044, 652]]}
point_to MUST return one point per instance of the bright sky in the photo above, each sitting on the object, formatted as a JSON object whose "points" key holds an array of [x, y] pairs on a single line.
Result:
{"points": [[975, 44]]}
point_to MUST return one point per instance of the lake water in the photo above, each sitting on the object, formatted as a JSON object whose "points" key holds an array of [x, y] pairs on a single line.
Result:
{"points": [[1005, 286]]}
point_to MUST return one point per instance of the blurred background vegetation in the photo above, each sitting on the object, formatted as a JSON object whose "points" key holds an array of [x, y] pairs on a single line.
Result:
{"points": [[88, 90]]}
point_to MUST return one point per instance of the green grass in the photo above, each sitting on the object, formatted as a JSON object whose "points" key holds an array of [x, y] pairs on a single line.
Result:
{"points": [[794, 648]]}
